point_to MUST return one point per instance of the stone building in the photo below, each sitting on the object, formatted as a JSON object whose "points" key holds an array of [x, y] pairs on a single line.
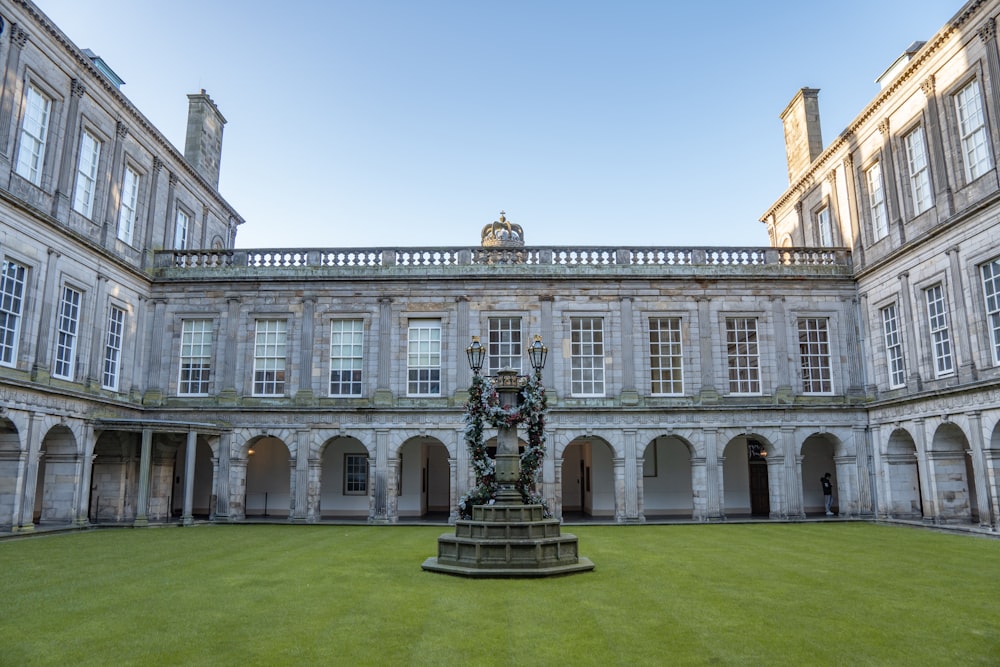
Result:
{"points": [[150, 371]]}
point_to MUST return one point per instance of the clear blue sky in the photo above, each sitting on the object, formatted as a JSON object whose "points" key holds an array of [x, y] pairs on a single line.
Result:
{"points": [[390, 122]]}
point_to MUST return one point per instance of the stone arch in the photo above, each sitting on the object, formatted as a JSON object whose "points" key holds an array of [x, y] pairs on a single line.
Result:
{"points": [[819, 452], [588, 477], [11, 450], [58, 474], [342, 494], [424, 480], [901, 490], [668, 477], [746, 475], [949, 468], [267, 487]]}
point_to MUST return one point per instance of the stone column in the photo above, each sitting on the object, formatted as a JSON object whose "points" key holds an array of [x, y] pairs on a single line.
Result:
{"points": [[852, 188], [713, 476], [631, 476], [965, 366], [784, 392], [95, 364], [379, 478], [862, 449], [545, 305], [314, 508], [699, 488], [40, 367], [464, 337], [867, 345], [113, 188], [925, 466], [935, 141], [301, 475], [453, 494], [18, 39], [229, 350], [847, 485], [169, 231], [142, 497], [154, 388], [150, 224], [238, 490], [910, 350], [221, 482], [81, 497], [383, 389], [883, 486], [893, 206], [306, 339], [630, 395], [778, 484], [852, 373], [64, 184], [24, 513], [985, 493], [618, 473], [709, 392], [187, 516], [795, 504]]}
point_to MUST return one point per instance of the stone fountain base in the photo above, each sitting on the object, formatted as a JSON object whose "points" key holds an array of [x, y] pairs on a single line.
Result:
{"points": [[507, 541]]}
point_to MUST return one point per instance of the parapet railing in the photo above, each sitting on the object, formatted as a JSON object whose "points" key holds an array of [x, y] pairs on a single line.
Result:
{"points": [[540, 256]]}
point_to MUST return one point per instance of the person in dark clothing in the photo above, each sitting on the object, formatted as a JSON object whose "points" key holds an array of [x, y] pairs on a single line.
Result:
{"points": [[827, 493]]}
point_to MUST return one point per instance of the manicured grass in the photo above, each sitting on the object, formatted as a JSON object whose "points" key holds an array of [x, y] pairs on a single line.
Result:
{"points": [[765, 594]]}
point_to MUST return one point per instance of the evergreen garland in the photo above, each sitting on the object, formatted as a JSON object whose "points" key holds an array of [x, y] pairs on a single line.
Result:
{"points": [[482, 408]]}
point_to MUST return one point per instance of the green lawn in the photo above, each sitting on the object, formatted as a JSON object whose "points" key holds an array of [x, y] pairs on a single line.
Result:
{"points": [[763, 594]]}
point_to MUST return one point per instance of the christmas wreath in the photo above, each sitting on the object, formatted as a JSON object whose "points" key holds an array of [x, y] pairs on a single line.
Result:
{"points": [[484, 408]]}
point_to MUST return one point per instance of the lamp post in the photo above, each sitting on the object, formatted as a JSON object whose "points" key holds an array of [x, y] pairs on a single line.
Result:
{"points": [[508, 385]]}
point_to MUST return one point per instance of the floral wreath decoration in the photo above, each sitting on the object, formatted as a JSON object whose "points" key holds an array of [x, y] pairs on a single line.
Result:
{"points": [[482, 408]]}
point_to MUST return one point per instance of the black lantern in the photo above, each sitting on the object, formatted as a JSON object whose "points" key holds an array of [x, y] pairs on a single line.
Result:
{"points": [[476, 353], [537, 353]]}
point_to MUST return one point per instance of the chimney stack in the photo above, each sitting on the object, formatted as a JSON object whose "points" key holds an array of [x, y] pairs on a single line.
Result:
{"points": [[203, 144], [803, 139]]}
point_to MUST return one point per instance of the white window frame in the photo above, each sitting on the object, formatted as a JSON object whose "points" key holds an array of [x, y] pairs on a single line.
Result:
{"points": [[825, 226], [423, 357], [182, 225], [113, 348], [940, 335], [876, 201], [347, 338], [355, 474], [972, 131], [86, 174], [743, 355], [666, 357], [814, 355], [990, 273], [12, 283], [587, 375], [917, 160], [893, 347], [270, 357], [195, 368], [128, 211], [67, 333], [34, 134], [504, 348]]}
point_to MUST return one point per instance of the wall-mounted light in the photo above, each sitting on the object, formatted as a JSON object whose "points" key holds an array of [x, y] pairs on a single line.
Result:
{"points": [[537, 354], [476, 353]]}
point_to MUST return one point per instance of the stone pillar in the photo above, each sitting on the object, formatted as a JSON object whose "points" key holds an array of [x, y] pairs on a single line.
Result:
{"points": [[883, 486], [985, 493], [699, 488], [935, 140], [229, 350], [115, 174], [847, 485], [965, 366], [154, 389], [142, 497], [862, 449], [778, 484], [170, 230], [854, 216], [709, 392], [784, 392], [187, 515], [853, 376], [453, 494], [464, 337], [621, 510], [314, 507], [928, 485], [383, 389], [81, 497], [307, 337], [893, 206], [630, 395], [910, 350], [713, 476], [301, 475], [545, 304], [40, 367], [557, 476], [992, 462], [18, 39], [221, 482], [379, 477], [95, 364], [150, 223], [631, 475], [795, 504], [28, 472], [64, 183]]}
